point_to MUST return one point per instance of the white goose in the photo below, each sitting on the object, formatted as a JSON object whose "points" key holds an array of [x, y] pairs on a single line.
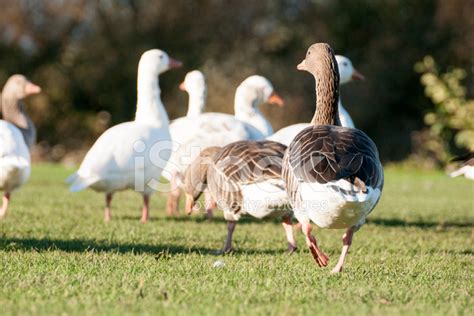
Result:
{"points": [[191, 135], [121, 158], [347, 73], [333, 174], [17, 135]]}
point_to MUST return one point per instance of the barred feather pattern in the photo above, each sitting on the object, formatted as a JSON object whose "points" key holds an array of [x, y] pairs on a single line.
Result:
{"points": [[327, 153], [242, 163]]}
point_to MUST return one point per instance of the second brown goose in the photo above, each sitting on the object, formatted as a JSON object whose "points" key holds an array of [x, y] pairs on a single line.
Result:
{"points": [[244, 178], [333, 174]]}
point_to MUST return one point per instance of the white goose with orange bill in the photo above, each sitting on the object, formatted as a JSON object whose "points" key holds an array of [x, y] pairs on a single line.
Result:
{"points": [[347, 73], [132, 155], [17, 136], [193, 134], [333, 174]]}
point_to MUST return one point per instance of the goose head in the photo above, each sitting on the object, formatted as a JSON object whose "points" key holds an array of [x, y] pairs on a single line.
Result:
{"points": [[195, 178], [156, 62], [320, 60], [254, 91], [195, 85], [18, 87], [347, 72]]}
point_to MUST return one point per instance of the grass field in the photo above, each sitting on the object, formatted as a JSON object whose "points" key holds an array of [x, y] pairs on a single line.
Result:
{"points": [[57, 256]]}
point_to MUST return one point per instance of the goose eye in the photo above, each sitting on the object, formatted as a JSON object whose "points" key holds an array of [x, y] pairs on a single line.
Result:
{"points": [[344, 63]]}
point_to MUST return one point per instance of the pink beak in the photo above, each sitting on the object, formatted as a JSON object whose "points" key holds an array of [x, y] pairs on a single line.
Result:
{"points": [[182, 86], [357, 76], [173, 63], [31, 88], [302, 65]]}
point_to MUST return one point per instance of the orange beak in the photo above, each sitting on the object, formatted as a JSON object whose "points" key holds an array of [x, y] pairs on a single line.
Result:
{"points": [[357, 76], [276, 100], [182, 86], [189, 208], [173, 63], [31, 88], [302, 65]]}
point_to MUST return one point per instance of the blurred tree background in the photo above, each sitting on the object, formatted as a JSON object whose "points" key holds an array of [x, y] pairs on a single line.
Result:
{"points": [[84, 54]]}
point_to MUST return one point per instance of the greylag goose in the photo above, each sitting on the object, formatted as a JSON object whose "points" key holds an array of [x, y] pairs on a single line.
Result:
{"points": [[17, 136], [190, 135], [333, 174], [125, 156], [347, 73], [245, 179]]}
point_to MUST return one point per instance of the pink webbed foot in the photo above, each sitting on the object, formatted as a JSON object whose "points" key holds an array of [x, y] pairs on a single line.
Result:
{"points": [[320, 257]]}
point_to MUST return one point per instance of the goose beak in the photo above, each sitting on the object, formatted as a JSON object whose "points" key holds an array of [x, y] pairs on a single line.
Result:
{"points": [[31, 88], [182, 87], [190, 204], [357, 76], [173, 63], [302, 65], [276, 100]]}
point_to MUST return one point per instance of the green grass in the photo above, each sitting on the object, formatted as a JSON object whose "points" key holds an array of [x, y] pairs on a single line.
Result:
{"points": [[57, 256]]}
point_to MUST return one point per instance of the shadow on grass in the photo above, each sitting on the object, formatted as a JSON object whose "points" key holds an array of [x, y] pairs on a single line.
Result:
{"points": [[201, 219], [85, 245], [394, 222]]}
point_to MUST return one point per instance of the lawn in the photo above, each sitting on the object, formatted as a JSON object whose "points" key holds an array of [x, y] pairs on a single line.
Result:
{"points": [[57, 256]]}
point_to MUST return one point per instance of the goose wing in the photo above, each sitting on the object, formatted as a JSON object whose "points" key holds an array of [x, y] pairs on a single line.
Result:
{"points": [[241, 163], [328, 153]]}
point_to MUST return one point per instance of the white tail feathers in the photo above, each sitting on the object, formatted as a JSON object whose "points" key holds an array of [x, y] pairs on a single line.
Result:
{"points": [[78, 183]]}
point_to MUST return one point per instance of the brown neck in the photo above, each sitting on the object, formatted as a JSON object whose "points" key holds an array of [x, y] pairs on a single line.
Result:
{"points": [[327, 93]]}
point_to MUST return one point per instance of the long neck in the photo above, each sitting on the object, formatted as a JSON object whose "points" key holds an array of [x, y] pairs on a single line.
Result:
{"points": [[327, 95], [196, 105], [246, 109], [150, 109], [13, 112]]}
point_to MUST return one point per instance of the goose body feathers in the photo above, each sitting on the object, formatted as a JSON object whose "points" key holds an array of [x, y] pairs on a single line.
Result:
{"points": [[245, 179], [14, 158]]}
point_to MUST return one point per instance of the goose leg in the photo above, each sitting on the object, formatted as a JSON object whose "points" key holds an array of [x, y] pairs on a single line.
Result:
{"points": [[172, 203], [346, 243], [210, 204], [319, 256], [146, 208], [228, 242], [288, 227], [6, 201], [108, 212]]}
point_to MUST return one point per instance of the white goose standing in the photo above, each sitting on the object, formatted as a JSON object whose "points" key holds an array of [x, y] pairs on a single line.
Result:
{"points": [[347, 73], [333, 174], [17, 135], [191, 135], [121, 158]]}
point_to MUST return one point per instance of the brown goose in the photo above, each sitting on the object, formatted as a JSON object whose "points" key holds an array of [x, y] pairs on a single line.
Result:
{"points": [[333, 174], [245, 179]]}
